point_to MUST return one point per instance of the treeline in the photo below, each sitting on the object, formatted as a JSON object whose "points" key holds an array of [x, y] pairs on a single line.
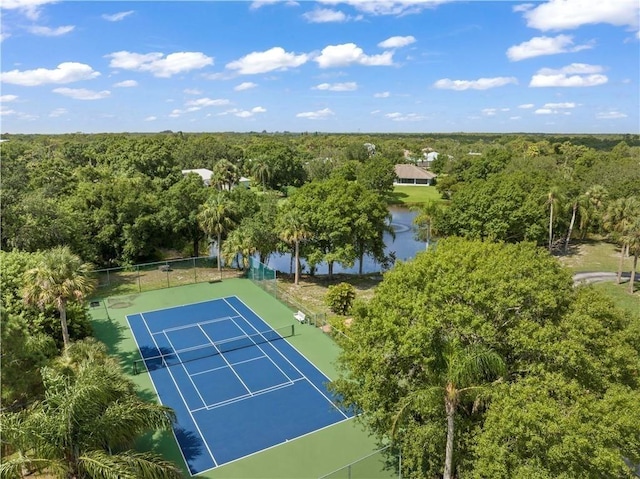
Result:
{"points": [[121, 198]]}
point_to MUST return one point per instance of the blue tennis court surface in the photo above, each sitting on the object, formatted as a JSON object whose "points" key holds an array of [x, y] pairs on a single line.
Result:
{"points": [[237, 386]]}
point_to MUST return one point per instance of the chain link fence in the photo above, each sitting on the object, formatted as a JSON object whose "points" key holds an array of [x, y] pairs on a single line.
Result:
{"points": [[162, 274], [385, 463]]}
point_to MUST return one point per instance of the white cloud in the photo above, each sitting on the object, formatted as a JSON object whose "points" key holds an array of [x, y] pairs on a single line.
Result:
{"points": [[262, 62], [245, 86], [610, 115], [151, 118], [571, 14], [397, 42], [316, 115], [4, 36], [58, 112], [489, 111], [82, 93], [50, 32], [384, 94], [350, 54], [325, 15], [192, 91], [116, 17], [66, 72], [348, 86], [515, 117], [389, 7], [574, 75], [560, 105], [4, 111], [539, 46], [202, 102], [523, 7], [159, 65], [397, 116], [249, 113], [8, 98], [30, 8], [126, 84], [526, 106], [479, 84], [261, 3], [556, 108]]}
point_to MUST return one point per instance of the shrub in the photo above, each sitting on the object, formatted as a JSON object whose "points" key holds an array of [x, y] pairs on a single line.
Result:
{"points": [[340, 297]]}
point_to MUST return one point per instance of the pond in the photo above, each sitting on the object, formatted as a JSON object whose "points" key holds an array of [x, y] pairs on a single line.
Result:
{"points": [[403, 247]]}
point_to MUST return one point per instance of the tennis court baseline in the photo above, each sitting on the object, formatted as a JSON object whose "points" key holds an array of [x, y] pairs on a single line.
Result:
{"points": [[237, 385]]}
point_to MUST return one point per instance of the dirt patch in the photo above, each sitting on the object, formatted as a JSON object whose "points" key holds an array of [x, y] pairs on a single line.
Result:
{"points": [[312, 290]]}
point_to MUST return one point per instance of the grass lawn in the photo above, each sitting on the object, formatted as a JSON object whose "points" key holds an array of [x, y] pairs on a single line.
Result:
{"points": [[413, 195], [619, 293], [595, 256]]}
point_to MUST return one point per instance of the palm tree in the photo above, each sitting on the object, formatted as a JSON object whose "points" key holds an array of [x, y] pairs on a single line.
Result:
{"points": [[239, 242], [292, 229], [458, 372], [216, 218], [424, 220], [618, 218], [86, 423], [593, 208], [60, 277], [262, 172], [632, 241], [225, 174], [554, 199]]}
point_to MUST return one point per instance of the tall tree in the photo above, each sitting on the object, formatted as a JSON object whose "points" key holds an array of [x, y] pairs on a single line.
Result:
{"points": [[457, 372], [261, 171], [216, 218], [554, 201], [424, 220], [60, 277], [618, 218], [292, 229], [86, 423], [631, 240]]}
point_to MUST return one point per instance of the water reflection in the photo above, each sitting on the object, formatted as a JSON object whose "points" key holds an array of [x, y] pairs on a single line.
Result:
{"points": [[404, 247]]}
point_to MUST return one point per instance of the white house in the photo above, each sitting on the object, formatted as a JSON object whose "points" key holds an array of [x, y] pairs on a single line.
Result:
{"points": [[203, 172], [413, 175]]}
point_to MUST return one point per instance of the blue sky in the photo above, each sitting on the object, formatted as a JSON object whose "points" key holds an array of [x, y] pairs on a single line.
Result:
{"points": [[557, 66]]}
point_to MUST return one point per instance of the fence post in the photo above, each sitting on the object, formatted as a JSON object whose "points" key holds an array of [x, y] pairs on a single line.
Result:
{"points": [[138, 271], [168, 285], [108, 280], [195, 271]]}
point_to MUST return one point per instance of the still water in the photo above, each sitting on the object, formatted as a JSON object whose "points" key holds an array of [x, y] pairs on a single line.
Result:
{"points": [[404, 247]]}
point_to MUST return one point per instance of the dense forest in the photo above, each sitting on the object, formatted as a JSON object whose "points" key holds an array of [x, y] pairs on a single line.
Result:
{"points": [[74, 202]]}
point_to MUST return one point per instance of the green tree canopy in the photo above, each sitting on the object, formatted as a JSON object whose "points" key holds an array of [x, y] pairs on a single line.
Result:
{"points": [[513, 301]]}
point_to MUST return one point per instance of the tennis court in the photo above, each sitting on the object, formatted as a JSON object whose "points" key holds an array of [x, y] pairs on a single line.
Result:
{"points": [[237, 385]]}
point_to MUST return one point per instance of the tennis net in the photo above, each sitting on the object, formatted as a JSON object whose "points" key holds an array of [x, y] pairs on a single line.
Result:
{"points": [[191, 354]]}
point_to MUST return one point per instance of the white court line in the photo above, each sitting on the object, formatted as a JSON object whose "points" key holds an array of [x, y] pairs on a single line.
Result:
{"points": [[153, 384], [245, 397], [225, 367], [258, 346], [287, 359], [206, 444], [191, 325], [185, 369], [225, 360]]}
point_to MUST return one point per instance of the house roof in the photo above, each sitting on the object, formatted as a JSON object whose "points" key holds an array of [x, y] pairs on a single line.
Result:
{"points": [[412, 171], [203, 172]]}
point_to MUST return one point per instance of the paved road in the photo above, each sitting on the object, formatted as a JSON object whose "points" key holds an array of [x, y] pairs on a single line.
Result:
{"points": [[599, 276]]}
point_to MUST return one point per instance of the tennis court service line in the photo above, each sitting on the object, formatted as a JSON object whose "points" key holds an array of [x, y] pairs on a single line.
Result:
{"points": [[287, 359], [226, 367], [206, 444], [185, 369], [225, 360], [245, 397], [260, 348], [191, 325]]}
